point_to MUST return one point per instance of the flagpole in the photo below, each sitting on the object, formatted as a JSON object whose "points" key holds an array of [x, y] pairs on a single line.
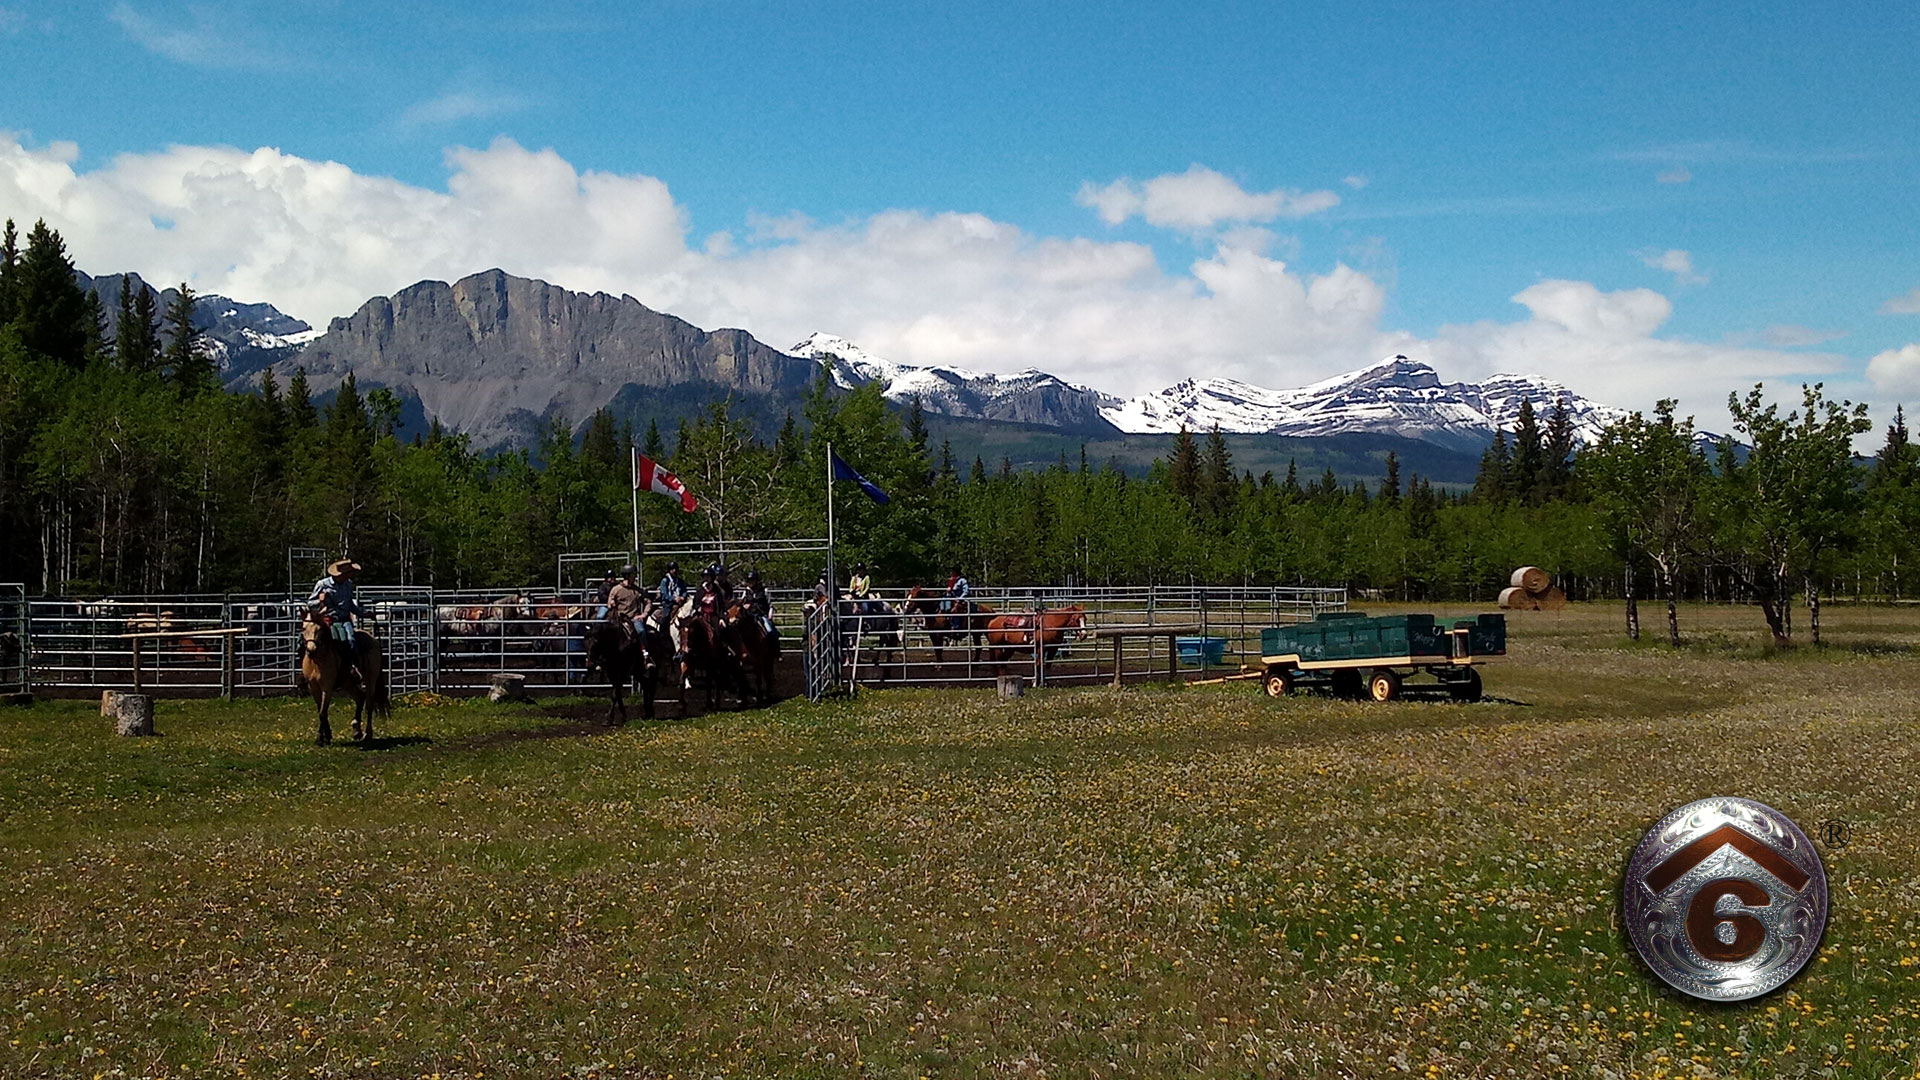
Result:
{"points": [[833, 582], [633, 463]]}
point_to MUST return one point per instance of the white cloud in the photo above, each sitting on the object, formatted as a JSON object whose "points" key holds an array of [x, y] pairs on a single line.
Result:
{"points": [[1906, 304], [1355, 181], [318, 239], [1676, 262], [1672, 176], [202, 38], [1197, 200], [457, 105], [1896, 372]]}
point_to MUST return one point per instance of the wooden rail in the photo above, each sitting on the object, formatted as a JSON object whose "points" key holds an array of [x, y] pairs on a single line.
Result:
{"points": [[226, 634], [1119, 634]]}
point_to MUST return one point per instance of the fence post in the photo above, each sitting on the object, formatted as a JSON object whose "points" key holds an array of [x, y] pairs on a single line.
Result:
{"points": [[226, 649]]}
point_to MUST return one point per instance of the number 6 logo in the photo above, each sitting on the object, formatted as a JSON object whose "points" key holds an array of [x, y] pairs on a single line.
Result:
{"points": [[1725, 899]]}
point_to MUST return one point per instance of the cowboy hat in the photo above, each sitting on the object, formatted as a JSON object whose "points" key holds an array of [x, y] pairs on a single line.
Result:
{"points": [[347, 565]]}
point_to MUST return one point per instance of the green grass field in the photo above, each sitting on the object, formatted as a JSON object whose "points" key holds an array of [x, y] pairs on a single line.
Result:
{"points": [[1153, 882]]}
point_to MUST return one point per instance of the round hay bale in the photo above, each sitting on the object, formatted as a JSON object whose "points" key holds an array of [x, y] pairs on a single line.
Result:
{"points": [[1531, 578], [1518, 599], [1554, 599]]}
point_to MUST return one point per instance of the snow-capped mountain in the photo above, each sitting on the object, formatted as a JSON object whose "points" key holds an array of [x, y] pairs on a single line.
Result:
{"points": [[1397, 396], [1026, 397], [242, 337]]}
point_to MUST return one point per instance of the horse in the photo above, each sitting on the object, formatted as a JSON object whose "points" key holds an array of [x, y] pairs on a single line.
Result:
{"points": [[885, 622], [628, 659], [757, 650], [947, 627], [1010, 635], [326, 672], [702, 648]]}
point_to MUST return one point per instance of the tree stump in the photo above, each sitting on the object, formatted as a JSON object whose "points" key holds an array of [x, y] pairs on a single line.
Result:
{"points": [[1012, 686], [508, 686], [132, 713]]}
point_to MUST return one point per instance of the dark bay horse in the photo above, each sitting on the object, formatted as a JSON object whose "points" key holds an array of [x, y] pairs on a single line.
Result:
{"points": [[947, 628], [705, 649], [756, 650], [1010, 636], [624, 659], [326, 670]]}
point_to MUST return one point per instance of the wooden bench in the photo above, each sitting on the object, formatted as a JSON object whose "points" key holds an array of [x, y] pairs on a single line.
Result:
{"points": [[226, 650]]}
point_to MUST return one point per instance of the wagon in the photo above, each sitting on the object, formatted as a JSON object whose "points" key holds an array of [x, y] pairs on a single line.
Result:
{"points": [[1355, 655]]}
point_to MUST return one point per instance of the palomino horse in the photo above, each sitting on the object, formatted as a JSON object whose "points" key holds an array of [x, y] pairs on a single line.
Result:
{"points": [[625, 660], [947, 628], [327, 671], [1009, 636], [758, 651]]}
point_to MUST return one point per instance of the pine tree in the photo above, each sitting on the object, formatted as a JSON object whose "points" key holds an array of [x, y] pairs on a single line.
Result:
{"points": [[1523, 478], [601, 446], [301, 415], [979, 473], [98, 345], [137, 342], [1490, 486], [787, 445], [1390, 487], [1183, 468], [9, 269], [917, 427], [1895, 462], [49, 306], [1216, 481], [654, 447], [189, 364], [1423, 510], [1329, 490], [1556, 471], [1291, 488], [947, 473]]}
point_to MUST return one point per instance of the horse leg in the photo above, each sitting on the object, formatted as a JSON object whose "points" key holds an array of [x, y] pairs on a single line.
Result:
{"points": [[324, 699]]}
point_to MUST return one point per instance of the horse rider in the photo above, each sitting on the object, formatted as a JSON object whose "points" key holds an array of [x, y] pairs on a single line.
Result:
{"points": [[957, 591], [339, 610], [597, 595], [672, 591], [754, 593], [708, 599], [860, 586], [723, 578], [626, 602]]}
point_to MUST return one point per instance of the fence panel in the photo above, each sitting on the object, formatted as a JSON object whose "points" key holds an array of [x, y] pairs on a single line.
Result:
{"points": [[403, 618], [820, 652], [16, 639]]}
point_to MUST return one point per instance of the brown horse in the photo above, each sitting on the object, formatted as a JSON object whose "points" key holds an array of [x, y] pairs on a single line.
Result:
{"points": [[757, 650], [944, 628], [704, 649], [1009, 636], [327, 671]]}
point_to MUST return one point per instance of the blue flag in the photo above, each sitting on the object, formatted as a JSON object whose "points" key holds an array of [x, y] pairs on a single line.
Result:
{"points": [[844, 471]]}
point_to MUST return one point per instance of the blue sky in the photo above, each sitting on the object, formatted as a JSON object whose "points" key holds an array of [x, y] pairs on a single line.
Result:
{"points": [[1753, 165]]}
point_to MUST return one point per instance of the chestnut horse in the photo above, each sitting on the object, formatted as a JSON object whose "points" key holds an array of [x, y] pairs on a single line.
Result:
{"points": [[758, 651], [326, 670], [1009, 636]]}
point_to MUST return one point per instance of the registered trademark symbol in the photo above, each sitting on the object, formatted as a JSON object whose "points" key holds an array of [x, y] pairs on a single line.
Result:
{"points": [[1835, 833]]}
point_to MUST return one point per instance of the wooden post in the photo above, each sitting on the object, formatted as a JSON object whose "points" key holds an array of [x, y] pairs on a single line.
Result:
{"points": [[1117, 642], [1173, 658], [136, 665], [226, 667]]}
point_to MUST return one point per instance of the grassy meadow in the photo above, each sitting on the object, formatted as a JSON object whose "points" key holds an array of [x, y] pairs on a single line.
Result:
{"points": [[1080, 883]]}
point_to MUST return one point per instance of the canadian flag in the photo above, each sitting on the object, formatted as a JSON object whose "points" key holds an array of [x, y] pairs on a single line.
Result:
{"points": [[650, 477]]}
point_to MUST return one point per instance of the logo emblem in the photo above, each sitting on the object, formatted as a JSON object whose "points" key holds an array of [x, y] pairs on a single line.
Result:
{"points": [[1725, 899]]}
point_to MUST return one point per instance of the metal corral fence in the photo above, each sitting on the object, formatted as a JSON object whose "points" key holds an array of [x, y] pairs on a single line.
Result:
{"points": [[454, 642], [86, 645], [1071, 634], [15, 639]]}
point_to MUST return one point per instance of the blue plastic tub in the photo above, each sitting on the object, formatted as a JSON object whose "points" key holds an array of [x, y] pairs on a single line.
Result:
{"points": [[1201, 651]]}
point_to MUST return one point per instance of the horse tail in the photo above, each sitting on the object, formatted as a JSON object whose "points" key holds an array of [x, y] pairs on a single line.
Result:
{"points": [[378, 700]]}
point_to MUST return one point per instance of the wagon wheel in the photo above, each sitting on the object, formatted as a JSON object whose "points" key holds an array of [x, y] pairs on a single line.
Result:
{"points": [[1384, 686], [1467, 689], [1279, 682]]}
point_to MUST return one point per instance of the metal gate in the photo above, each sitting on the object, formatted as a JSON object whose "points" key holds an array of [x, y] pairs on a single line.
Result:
{"points": [[403, 619], [15, 643], [820, 652]]}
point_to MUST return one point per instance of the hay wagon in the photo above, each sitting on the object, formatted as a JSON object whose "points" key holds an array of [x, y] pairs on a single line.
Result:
{"points": [[1359, 656]]}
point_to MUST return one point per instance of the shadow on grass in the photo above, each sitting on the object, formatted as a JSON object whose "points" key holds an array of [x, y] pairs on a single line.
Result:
{"points": [[392, 742]]}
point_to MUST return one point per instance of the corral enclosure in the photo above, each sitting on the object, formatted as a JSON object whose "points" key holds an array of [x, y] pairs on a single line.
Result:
{"points": [[1082, 882], [453, 642]]}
